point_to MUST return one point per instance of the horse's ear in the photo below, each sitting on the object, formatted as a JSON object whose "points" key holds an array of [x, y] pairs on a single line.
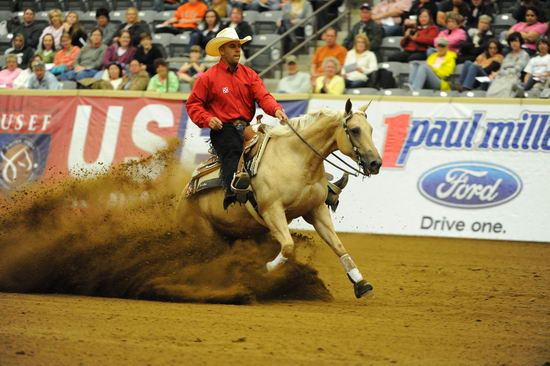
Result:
{"points": [[365, 107], [348, 106]]}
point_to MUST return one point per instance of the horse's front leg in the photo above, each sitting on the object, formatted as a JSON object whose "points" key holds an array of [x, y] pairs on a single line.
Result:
{"points": [[322, 222], [275, 220]]}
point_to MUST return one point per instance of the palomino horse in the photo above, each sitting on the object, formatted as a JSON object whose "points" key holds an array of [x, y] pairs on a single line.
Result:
{"points": [[291, 182]]}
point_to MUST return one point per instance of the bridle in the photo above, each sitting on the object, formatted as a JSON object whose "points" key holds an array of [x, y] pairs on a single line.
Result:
{"points": [[354, 171]]}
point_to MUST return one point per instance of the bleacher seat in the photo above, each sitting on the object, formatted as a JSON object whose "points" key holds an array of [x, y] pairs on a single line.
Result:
{"points": [[8, 5], [76, 5], [33, 4], [266, 22], [96, 4], [42, 18], [447, 93], [503, 22], [2, 61], [163, 39], [162, 16], [145, 4], [179, 45], [184, 88], [250, 16], [88, 21], [5, 15], [269, 56], [68, 84], [47, 5], [118, 17], [124, 4], [423, 93], [474, 94], [390, 45], [394, 91], [148, 16], [395, 69], [362, 91], [5, 43]]}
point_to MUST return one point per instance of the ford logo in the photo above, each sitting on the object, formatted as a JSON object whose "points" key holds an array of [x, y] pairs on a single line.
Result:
{"points": [[469, 184]]}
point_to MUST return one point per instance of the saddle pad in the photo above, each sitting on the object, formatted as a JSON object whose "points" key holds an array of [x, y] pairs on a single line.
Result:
{"points": [[204, 181], [207, 167]]}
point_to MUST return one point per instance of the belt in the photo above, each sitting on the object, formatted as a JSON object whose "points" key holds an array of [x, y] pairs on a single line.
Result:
{"points": [[239, 123]]}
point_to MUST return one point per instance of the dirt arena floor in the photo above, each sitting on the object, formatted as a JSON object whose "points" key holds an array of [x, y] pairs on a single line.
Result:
{"points": [[437, 302]]}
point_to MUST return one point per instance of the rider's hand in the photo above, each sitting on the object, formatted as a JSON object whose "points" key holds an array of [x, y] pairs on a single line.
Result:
{"points": [[281, 116], [215, 123]]}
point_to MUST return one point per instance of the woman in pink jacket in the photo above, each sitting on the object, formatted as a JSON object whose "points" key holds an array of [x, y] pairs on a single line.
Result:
{"points": [[454, 34]]}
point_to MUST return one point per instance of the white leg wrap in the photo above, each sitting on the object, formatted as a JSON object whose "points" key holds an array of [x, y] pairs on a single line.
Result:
{"points": [[351, 268], [279, 259]]}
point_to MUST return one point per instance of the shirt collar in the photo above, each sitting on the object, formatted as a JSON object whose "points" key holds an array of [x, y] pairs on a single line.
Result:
{"points": [[226, 66]]}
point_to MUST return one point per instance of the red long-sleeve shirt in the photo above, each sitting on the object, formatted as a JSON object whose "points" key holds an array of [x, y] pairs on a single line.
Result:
{"points": [[228, 95]]}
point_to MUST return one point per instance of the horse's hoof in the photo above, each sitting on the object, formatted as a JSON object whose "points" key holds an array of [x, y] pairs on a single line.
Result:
{"points": [[363, 288]]}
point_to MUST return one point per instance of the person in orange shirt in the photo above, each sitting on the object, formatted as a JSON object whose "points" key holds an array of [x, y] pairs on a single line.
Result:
{"points": [[331, 49], [187, 17]]}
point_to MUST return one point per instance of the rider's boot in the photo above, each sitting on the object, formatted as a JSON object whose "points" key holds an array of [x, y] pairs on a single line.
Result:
{"points": [[334, 190], [239, 185]]}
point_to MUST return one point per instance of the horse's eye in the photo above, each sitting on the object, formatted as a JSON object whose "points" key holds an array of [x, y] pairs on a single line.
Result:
{"points": [[355, 131]]}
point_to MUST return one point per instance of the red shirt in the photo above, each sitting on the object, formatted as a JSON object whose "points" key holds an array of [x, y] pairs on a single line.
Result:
{"points": [[228, 95]]}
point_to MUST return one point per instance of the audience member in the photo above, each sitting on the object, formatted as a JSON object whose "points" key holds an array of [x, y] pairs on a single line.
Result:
{"points": [[147, 53], [417, 39], [477, 40], [190, 71], [487, 62], [186, 18], [136, 78], [264, 5], [433, 73], [21, 50], [518, 10], [47, 49], [331, 49], [207, 30], [410, 17], [55, 28], [164, 80], [73, 27], [455, 6], [90, 59], [506, 79], [29, 28], [537, 70], [164, 5], [366, 25], [242, 4], [478, 8], [113, 79], [10, 73], [454, 35], [295, 81], [360, 63], [294, 11], [531, 29], [329, 82], [22, 80], [243, 29], [134, 25], [66, 57], [42, 79], [222, 7], [388, 13], [104, 23], [121, 52]]}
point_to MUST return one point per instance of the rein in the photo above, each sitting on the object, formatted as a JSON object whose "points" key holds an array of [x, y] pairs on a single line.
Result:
{"points": [[355, 172]]}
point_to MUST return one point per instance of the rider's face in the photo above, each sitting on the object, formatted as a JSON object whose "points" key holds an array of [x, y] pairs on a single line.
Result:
{"points": [[231, 52]]}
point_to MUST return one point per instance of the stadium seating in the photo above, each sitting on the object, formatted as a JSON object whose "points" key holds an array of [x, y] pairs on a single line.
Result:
{"points": [[148, 16], [46, 5], [124, 4], [394, 91], [395, 68], [68, 84], [267, 57], [42, 18], [362, 91], [250, 16], [5, 43], [96, 4], [88, 21], [2, 61], [179, 45], [118, 17], [266, 22], [473, 93], [76, 5], [503, 22], [161, 17], [390, 45]]}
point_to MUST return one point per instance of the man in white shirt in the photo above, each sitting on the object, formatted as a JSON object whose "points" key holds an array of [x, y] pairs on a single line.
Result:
{"points": [[538, 69], [296, 81]]}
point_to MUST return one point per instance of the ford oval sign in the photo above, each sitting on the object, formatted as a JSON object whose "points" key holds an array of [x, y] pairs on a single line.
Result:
{"points": [[469, 184]]}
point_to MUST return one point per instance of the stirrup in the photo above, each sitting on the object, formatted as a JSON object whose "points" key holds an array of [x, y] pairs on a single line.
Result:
{"points": [[239, 185]]}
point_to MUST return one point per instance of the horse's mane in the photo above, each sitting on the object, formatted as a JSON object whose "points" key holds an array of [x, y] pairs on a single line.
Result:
{"points": [[302, 122]]}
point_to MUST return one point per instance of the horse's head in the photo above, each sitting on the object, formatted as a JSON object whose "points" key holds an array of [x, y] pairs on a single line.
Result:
{"points": [[354, 139]]}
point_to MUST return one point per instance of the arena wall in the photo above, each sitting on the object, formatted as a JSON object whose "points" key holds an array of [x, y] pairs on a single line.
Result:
{"points": [[453, 167]]}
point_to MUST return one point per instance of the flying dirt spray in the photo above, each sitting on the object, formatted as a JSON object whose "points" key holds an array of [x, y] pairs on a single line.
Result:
{"points": [[116, 235]]}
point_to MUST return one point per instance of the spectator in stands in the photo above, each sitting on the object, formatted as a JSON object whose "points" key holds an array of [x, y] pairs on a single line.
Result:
{"points": [[477, 9], [42, 79], [164, 80], [243, 29], [113, 79], [186, 18], [55, 28], [366, 25], [90, 59], [136, 78], [331, 49], [29, 29], [73, 27], [477, 40], [163, 5], [537, 70], [531, 29], [518, 11], [134, 25], [190, 71], [455, 6], [222, 7], [410, 18], [104, 23], [66, 57], [23, 52], [265, 5], [22, 80], [417, 39], [296, 81], [485, 63], [121, 52], [147, 53], [207, 30], [388, 13], [294, 11], [432, 73], [10, 73], [329, 82], [506, 79], [47, 49], [454, 35], [242, 4], [360, 63]]}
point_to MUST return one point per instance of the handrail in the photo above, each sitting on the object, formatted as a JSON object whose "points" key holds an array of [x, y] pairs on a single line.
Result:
{"points": [[294, 27]]}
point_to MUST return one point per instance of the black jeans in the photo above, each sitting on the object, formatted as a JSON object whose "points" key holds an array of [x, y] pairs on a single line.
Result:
{"points": [[228, 144]]}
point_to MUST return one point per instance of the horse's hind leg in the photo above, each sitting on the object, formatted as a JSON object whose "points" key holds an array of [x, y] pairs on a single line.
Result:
{"points": [[322, 222], [275, 220]]}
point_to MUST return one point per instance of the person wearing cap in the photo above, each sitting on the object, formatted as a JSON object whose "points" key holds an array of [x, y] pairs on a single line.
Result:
{"points": [[296, 81], [433, 73], [42, 79], [366, 25], [224, 99], [331, 49], [104, 23], [189, 71]]}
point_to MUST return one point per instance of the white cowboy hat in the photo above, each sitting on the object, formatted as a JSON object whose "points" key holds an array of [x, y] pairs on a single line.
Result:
{"points": [[224, 36]]}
